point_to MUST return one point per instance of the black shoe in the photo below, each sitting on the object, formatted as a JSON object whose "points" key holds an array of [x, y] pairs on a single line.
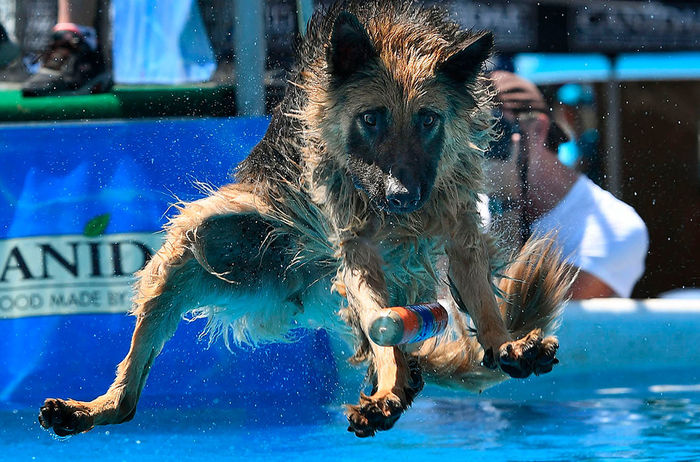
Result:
{"points": [[68, 67]]}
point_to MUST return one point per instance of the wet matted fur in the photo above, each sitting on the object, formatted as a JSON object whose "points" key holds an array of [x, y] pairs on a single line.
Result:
{"points": [[366, 179]]}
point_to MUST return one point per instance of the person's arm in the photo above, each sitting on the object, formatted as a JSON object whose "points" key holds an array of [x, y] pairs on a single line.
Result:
{"points": [[588, 286]]}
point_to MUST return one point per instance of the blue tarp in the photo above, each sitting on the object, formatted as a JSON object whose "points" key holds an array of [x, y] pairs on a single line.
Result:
{"points": [[78, 186]]}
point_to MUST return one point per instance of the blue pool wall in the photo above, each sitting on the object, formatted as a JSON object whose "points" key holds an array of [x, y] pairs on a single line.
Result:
{"points": [[56, 177]]}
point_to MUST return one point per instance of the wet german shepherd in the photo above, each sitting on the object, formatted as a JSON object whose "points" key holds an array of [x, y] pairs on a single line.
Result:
{"points": [[367, 178]]}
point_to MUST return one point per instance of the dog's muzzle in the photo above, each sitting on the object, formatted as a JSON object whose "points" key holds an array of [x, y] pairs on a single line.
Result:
{"points": [[402, 198]]}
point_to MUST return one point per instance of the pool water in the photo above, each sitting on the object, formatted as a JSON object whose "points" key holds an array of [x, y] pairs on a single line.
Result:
{"points": [[640, 415]]}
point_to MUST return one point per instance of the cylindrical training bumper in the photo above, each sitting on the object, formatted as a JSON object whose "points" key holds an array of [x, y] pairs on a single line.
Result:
{"points": [[408, 324]]}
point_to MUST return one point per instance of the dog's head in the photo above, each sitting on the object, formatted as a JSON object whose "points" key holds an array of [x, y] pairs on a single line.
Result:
{"points": [[397, 94]]}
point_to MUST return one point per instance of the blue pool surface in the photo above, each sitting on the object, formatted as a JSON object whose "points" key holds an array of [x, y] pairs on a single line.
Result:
{"points": [[627, 388], [630, 421]]}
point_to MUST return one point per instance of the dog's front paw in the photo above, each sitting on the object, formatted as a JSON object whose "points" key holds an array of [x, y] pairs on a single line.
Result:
{"points": [[531, 354], [377, 412], [65, 417]]}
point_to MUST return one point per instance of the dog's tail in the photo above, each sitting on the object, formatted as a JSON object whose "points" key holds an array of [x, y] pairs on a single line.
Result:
{"points": [[531, 289]]}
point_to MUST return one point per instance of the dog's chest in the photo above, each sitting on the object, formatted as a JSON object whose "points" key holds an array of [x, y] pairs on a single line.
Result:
{"points": [[410, 268]]}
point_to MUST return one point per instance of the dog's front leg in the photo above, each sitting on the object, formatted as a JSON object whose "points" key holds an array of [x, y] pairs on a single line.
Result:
{"points": [[395, 384], [471, 275]]}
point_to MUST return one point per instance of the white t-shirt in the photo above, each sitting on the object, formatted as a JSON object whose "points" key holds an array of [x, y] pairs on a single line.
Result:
{"points": [[599, 234]]}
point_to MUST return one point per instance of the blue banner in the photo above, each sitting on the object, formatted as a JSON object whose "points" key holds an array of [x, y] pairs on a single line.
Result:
{"points": [[82, 204]]}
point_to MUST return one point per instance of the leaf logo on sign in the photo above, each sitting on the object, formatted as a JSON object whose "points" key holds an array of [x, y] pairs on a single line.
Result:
{"points": [[96, 226]]}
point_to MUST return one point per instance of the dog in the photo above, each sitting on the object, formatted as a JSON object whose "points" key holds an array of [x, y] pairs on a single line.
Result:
{"points": [[367, 178]]}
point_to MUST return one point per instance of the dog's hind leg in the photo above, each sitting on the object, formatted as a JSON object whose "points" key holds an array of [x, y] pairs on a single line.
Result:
{"points": [[395, 382], [533, 287], [168, 286], [516, 351], [118, 404]]}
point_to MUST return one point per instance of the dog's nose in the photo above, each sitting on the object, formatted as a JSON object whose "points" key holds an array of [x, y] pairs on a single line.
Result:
{"points": [[400, 197]]}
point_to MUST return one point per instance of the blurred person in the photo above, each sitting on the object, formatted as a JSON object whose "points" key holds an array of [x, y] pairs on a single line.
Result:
{"points": [[72, 62], [576, 114], [534, 193]]}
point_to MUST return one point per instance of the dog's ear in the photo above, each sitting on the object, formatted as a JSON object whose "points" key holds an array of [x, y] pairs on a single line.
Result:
{"points": [[464, 66], [350, 49]]}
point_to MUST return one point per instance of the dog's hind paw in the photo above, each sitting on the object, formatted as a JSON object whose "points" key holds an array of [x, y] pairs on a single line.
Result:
{"points": [[65, 417], [374, 413], [531, 354]]}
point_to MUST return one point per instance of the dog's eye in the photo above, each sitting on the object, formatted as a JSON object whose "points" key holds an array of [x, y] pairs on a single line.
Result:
{"points": [[429, 120], [370, 119]]}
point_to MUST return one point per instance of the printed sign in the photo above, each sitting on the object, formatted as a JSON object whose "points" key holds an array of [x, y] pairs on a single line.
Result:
{"points": [[71, 274]]}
